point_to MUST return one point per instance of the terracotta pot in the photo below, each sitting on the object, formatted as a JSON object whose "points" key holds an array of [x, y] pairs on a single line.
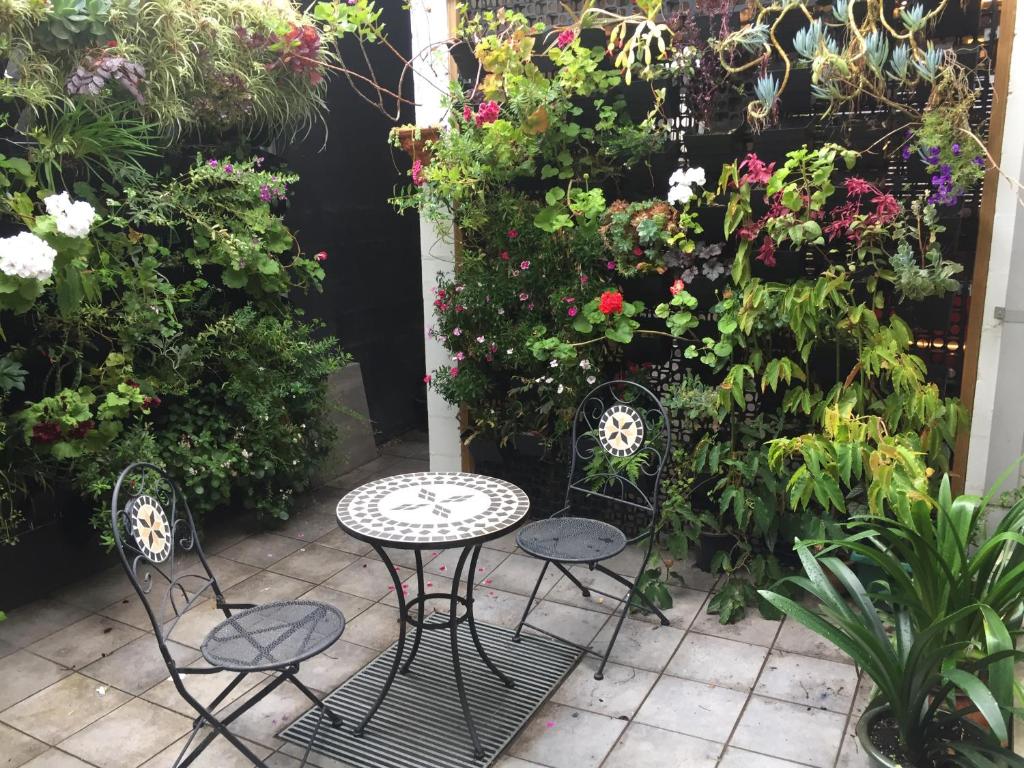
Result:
{"points": [[415, 141]]}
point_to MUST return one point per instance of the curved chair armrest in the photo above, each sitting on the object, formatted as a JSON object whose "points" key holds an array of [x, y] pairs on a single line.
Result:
{"points": [[229, 607]]}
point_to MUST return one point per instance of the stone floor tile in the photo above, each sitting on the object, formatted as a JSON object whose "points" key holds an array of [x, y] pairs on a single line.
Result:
{"points": [[139, 665], [717, 661], [265, 587], [193, 627], [281, 760], [563, 737], [619, 694], [85, 641], [204, 688], [266, 719], [431, 583], [216, 539], [753, 628], [514, 762], [494, 606], [98, 591], [693, 708], [376, 627], [686, 606], [411, 445], [315, 515], [262, 550], [851, 753], [628, 561], [366, 577], [23, 673], [67, 706], [506, 543], [447, 559], [407, 557], [128, 736], [16, 748], [808, 680], [349, 605], [693, 577], [518, 573], [866, 692], [220, 753], [639, 644], [54, 758], [338, 539], [313, 562], [564, 591], [332, 667], [790, 731], [24, 626], [643, 745], [741, 758], [6, 648], [797, 638], [573, 624]]}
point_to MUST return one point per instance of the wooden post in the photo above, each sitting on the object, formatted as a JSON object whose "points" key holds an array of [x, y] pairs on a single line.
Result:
{"points": [[986, 215]]}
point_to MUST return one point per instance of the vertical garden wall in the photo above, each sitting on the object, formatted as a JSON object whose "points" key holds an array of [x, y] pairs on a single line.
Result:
{"points": [[769, 214]]}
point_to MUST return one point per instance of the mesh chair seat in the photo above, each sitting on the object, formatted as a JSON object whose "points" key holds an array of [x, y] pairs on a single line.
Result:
{"points": [[273, 635], [571, 540]]}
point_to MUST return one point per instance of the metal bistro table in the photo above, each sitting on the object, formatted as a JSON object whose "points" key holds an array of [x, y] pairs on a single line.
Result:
{"points": [[434, 510]]}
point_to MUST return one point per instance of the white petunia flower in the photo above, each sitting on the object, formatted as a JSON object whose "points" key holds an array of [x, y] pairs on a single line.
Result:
{"points": [[74, 219], [585, 364], [26, 255], [554, 363], [682, 182], [591, 379]]}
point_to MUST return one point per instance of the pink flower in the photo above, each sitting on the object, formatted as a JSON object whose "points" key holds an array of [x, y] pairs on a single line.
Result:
{"points": [[467, 113], [568, 299], [427, 379], [443, 568], [584, 279], [677, 287], [565, 38], [857, 186], [550, 723], [513, 234], [320, 256], [454, 372], [456, 331], [504, 255], [523, 296], [610, 265], [417, 173], [524, 265], [487, 113], [757, 171], [766, 253], [460, 356], [573, 311], [638, 251], [212, 163]]}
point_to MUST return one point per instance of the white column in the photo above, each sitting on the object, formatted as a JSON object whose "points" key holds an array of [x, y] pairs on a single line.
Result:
{"points": [[429, 20], [997, 424]]}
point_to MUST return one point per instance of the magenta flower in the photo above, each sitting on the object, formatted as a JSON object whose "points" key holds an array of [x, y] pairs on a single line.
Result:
{"points": [[513, 234], [610, 265], [212, 163], [523, 296], [460, 356], [487, 113], [229, 168], [565, 38], [524, 265], [573, 311], [427, 379], [417, 173], [456, 331], [453, 371], [265, 194]]}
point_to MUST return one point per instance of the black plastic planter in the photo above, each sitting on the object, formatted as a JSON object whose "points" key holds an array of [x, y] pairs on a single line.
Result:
{"points": [[710, 544], [875, 755]]}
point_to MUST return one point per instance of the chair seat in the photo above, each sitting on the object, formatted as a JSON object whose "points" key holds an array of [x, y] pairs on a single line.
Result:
{"points": [[272, 636], [571, 540]]}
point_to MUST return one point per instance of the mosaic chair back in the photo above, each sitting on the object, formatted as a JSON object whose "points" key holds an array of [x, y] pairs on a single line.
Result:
{"points": [[621, 440], [156, 538]]}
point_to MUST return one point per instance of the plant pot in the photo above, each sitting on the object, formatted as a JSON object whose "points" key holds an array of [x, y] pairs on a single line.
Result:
{"points": [[710, 544], [878, 758]]}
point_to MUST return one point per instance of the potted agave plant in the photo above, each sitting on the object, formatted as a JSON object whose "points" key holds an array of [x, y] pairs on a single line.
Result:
{"points": [[935, 632]]}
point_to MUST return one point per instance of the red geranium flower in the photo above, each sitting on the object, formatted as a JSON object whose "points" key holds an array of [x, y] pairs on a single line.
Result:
{"points": [[487, 113], [611, 302], [677, 287]]}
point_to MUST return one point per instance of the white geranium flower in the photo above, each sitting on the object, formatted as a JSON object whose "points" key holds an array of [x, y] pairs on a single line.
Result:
{"points": [[682, 182], [591, 379], [74, 219], [585, 364], [26, 255]]}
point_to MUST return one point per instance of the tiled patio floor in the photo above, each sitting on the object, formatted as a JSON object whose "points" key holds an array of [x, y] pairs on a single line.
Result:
{"points": [[82, 682]]}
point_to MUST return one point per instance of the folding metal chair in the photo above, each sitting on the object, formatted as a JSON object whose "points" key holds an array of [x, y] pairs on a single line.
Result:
{"points": [[620, 443], [156, 538]]}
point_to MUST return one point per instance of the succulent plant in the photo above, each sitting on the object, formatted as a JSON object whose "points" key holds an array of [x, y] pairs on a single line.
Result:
{"points": [[876, 48], [766, 89], [928, 67], [913, 17], [899, 62], [841, 10]]}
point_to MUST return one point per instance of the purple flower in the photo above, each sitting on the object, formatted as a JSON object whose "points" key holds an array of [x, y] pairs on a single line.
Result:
{"points": [[906, 152], [979, 161], [955, 149], [265, 194], [229, 168], [212, 162]]}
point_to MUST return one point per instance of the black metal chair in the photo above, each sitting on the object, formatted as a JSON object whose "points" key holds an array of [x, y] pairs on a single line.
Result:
{"points": [[156, 538], [620, 443]]}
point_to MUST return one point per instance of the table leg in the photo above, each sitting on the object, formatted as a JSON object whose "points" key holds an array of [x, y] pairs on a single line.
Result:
{"points": [[419, 620], [403, 613], [478, 750], [509, 683]]}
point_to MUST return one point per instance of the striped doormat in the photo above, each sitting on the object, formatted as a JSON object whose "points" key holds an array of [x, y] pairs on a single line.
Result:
{"points": [[420, 723]]}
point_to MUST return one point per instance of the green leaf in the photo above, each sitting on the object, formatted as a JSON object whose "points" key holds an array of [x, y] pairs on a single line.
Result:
{"points": [[234, 278], [982, 698]]}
